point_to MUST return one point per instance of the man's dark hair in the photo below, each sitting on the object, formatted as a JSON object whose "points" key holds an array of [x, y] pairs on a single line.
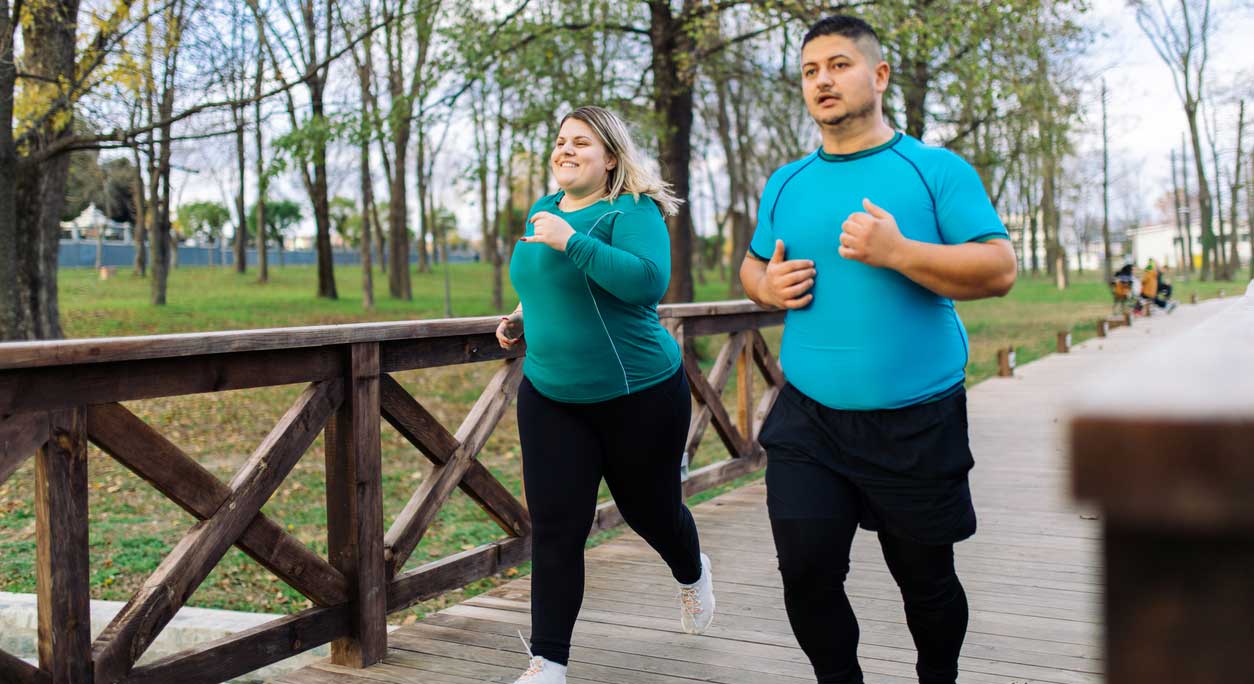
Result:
{"points": [[848, 26]]}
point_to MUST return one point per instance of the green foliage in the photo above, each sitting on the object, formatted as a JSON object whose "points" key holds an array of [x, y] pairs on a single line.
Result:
{"points": [[346, 220], [282, 217], [203, 219]]}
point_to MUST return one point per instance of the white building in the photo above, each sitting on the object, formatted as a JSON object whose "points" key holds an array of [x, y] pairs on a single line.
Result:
{"points": [[1160, 242]]}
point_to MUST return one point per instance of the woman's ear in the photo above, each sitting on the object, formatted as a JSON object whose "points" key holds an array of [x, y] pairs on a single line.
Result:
{"points": [[610, 162]]}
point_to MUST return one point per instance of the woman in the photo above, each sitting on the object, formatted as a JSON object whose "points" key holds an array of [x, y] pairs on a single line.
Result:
{"points": [[604, 392]]}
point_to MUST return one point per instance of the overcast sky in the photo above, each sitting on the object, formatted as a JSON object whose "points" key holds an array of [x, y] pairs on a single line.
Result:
{"points": [[1146, 118]]}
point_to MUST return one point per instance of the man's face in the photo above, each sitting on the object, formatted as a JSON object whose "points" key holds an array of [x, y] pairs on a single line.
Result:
{"points": [[839, 82]]}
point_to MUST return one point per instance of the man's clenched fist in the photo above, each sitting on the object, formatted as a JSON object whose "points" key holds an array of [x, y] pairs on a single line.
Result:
{"points": [[871, 237]]}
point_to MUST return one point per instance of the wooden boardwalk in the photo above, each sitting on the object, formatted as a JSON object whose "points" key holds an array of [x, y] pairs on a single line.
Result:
{"points": [[1032, 573]]}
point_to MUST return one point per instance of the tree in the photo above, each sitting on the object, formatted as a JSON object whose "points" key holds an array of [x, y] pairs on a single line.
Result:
{"points": [[1181, 36], [204, 220], [306, 41], [282, 217]]}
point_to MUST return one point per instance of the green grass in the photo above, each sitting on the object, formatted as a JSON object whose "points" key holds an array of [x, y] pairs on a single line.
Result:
{"points": [[133, 527]]}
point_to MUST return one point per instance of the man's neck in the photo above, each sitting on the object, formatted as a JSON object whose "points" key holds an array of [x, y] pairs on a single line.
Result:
{"points": [[855, 136]]}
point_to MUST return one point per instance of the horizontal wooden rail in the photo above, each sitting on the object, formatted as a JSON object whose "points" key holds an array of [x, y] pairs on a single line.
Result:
{"points": [[1164, 447], [56, 397]]}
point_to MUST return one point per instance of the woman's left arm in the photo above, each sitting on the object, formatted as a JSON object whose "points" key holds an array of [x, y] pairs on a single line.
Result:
{"points": [[635, 265]]}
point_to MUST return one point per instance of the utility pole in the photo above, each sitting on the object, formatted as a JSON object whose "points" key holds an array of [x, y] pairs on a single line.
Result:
{"points": [[1105, 189]]}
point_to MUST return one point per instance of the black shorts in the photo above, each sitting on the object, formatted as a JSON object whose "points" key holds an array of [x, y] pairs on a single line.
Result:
{"points": [[901, 471]]}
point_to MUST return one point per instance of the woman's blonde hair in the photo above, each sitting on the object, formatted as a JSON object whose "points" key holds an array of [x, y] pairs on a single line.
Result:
{"points": [[631, 174]]}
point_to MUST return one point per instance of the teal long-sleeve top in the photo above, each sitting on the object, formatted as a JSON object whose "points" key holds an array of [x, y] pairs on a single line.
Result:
{"points": [[590, 313]]}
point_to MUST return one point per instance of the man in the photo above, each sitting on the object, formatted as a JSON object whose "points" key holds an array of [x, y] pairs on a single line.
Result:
{"points": [[881, 234]]}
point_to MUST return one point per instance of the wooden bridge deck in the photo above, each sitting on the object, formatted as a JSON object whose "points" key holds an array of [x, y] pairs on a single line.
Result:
{"points": [[1032, 574]]}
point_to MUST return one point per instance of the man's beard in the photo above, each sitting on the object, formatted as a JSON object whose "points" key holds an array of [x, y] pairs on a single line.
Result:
{"points": [[864, 111]]}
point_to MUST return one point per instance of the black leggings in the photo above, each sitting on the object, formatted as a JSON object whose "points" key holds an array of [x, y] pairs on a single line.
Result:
{"points": [[814, 560], [636, 443]]}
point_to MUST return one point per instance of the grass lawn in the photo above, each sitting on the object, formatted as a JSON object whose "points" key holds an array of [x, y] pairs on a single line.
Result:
{"points": [[133, 527]]}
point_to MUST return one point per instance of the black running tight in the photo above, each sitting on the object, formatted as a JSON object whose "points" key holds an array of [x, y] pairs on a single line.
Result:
{"points": [[636, 443], [814, 560]]}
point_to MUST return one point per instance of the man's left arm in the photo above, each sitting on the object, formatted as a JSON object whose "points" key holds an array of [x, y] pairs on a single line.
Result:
{"points": [[968, 270]]}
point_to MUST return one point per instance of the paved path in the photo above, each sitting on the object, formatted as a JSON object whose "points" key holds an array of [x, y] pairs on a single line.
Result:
{"points": [[1032, 573]]}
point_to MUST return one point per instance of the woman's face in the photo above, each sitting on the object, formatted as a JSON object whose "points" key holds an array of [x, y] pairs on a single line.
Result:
{"points": [[581, 163]]}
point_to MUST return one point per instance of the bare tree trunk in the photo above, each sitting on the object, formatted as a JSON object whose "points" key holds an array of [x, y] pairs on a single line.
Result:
{"points": [[1234, 259], [365, 75], [11, 319], [241, 213], [141, 213], [1180, 227], [492, 254], [1188, 201], [1203, 194], [673, 103], [263, 255], [1105, 191], [1221, 255]]}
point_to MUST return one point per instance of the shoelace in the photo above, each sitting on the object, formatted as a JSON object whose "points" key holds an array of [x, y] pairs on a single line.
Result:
{"points": [[535, 665], [690, 598]]}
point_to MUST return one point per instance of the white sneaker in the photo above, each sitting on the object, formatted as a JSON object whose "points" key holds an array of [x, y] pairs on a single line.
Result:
{"points": [[696, 601], [540, 670]]}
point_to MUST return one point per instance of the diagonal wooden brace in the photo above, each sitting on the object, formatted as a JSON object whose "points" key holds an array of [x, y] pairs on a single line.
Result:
{"points": [[20, 436], [412, 523], [426, 433], [130, 633], [709, 397], [148, 454]]}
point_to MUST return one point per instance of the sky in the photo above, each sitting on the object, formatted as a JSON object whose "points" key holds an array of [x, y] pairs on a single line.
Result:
{"points": [[1146, 118]]}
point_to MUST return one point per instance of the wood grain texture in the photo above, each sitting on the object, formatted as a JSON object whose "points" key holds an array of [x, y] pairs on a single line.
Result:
{"points": [[456, 571], [420, 511], [355, 509], [243, 652], [167, 589], [148, 454], [14, 670], [20, 436], [62, 574], [421, 429], [707, 396], [719, 374]]}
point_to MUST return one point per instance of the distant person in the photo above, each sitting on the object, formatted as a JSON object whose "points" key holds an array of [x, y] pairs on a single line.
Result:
{"points": [[867, 242], [604, 392]]}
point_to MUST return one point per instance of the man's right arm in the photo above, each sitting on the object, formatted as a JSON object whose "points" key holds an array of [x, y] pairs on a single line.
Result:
{"points": [[777, 283]]}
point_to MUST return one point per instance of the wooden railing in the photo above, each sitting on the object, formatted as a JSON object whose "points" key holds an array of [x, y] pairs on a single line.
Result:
{"points": [[56, 397], [1164, 447]]}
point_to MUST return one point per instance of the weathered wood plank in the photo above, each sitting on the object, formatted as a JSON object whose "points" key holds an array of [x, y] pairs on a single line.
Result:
{"points": [[726, 323], [421, 429], [20, 436], [148, 454], [62, 575], [1165, 473], [14, 670], [181, 345], [355, 509], [413, 354], [744, 392], [57, 387], [708, 397], [719, 374], [766, 362], [243, 652], [414, 520], [130, 633], [456, 571]]}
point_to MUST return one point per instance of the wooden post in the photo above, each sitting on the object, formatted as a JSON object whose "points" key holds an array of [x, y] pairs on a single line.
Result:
{"points": [[1006, 362], [1193, 298], [1127, 319], [1223, 293], [1064, 341], [62, 577], [355, 509], [744, 391], [1172, 481], [1101, 327]]}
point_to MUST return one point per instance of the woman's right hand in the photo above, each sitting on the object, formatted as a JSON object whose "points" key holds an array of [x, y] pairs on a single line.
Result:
{"points": [[510, 330]]}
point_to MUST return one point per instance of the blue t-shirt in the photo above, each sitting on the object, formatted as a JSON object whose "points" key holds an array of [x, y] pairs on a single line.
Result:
{"points": [[872, 338]]}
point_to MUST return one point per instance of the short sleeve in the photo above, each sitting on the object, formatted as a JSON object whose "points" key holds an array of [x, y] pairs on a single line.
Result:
{"points": [[762, 245], [963, 209]]}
